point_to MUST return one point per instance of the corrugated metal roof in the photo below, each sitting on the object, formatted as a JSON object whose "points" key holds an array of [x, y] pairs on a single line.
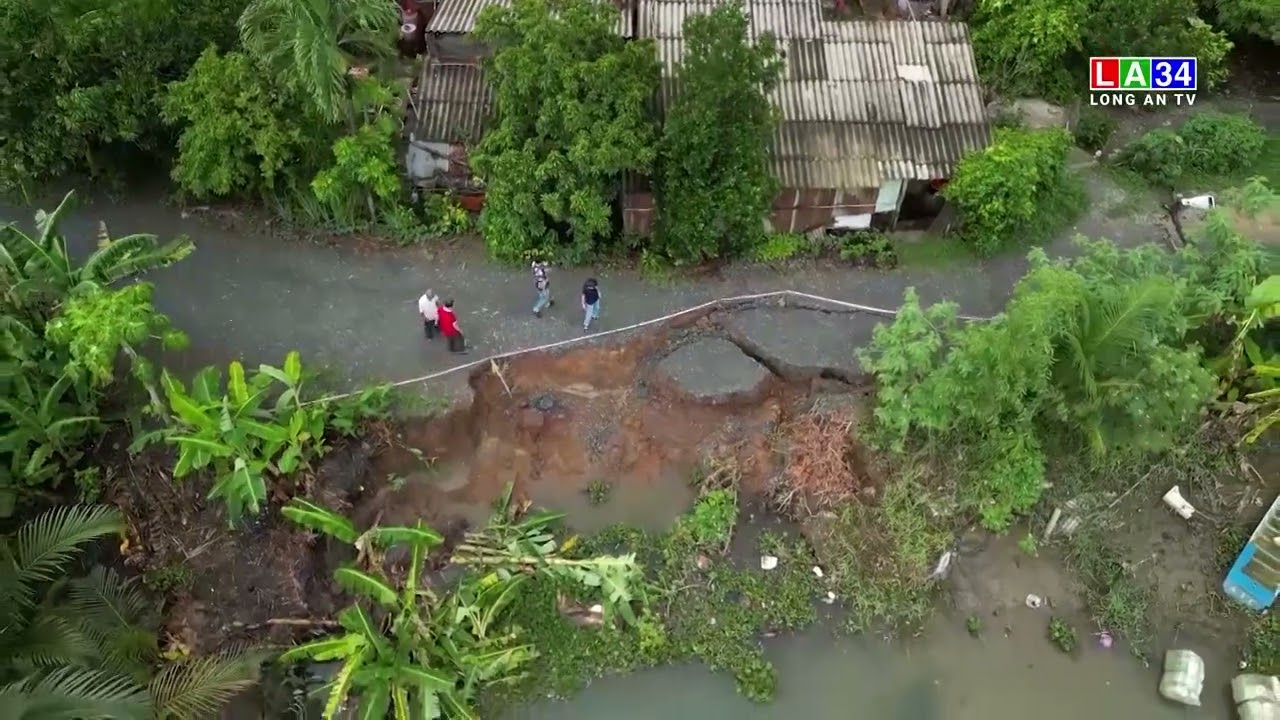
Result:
{"points": [[454, 103], [459, 16], [861, 101]]}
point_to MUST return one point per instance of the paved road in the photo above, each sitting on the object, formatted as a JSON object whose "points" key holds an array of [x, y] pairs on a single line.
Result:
{"points": [[244, 294]]}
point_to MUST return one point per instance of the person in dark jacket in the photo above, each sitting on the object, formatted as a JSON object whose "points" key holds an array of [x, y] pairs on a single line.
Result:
{"points": [[590, 303]]}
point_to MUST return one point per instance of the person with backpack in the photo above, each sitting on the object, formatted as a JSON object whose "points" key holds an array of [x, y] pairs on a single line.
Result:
{"points": [[541, 283], [590, 303]]}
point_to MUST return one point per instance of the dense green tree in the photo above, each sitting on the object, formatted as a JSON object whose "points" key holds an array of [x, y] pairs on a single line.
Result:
{"points": [[79, 79], [1111, 352], [570, 99], [715, 185], [1039, 48], [1089, 353], [1260, 18], [1001, 192], [240, 132]]}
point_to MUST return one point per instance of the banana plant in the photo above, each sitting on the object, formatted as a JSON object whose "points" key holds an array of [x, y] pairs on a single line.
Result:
{"points": [[43, 430], [40, 273], [253, 428], [1262, 309], [416, 659], [421, 654]]}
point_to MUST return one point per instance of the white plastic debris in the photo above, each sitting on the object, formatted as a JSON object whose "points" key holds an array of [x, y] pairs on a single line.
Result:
{"points": [[768, 562], [1199, 202], [597, 609], [817, 571], [942, 568], [1257, 697], [830, 598], [1179, 504], [1183, 678], [1034, 601]]}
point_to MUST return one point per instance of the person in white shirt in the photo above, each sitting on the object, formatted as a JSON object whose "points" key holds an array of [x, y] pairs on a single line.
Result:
{"points": [[429, 309]]}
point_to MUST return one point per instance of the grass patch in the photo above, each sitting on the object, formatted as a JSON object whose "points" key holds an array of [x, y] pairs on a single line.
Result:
{"points": [[932, 251], [1262, 651], [1117, 599], [880, 557]]}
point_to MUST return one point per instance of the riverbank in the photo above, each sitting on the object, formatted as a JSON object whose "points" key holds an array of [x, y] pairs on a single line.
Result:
{"points": [[628, 436]]}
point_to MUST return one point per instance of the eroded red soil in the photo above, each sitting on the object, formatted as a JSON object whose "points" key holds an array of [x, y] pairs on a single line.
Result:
{"points": [[548, 424]]}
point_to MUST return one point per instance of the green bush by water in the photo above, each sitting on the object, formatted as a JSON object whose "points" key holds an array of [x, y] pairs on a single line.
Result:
{"points": [[703, 608]]}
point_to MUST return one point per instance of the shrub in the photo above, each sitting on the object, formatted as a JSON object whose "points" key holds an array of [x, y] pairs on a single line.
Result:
{"points": [[1094, 130], [1218, 143], [1211, 143], [1001, 191], [868, 249], [1156, 156], [779, 247]]}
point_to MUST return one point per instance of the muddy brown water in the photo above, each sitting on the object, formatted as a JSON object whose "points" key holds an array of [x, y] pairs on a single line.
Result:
{"points": [[1010, 671], [945, 675]]}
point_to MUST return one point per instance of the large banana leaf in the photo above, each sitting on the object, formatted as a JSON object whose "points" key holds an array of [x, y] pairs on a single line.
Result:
{"points": [[320, 519], [241, 489]]}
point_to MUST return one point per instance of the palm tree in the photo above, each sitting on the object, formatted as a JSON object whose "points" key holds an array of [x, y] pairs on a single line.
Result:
{"points": [[1112, 335], [38, 272], [315, 44], [81, 648]]}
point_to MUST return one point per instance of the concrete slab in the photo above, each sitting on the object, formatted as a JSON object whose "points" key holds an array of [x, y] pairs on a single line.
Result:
{"points": [[713, 368], [804, 340]]}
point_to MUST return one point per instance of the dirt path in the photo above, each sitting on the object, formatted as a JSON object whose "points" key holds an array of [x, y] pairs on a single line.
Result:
{"points": [[248, 295]]}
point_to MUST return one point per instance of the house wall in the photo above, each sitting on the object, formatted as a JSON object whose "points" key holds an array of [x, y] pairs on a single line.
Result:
{"points": [[798, 210], [440, 165], [794, 209]]}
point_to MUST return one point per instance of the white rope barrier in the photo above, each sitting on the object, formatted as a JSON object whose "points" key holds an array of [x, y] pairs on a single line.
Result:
{"points": [[635, 326]]}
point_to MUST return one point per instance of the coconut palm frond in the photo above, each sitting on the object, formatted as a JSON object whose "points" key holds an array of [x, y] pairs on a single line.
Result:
{"points": [[47, 542], [1110, 329], [75, 694], [312, 43], [198, 687], [48, 640], [114, 614]]}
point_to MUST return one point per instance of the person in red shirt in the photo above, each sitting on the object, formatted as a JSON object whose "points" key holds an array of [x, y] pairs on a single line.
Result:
{"points": [[447, 319]]}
